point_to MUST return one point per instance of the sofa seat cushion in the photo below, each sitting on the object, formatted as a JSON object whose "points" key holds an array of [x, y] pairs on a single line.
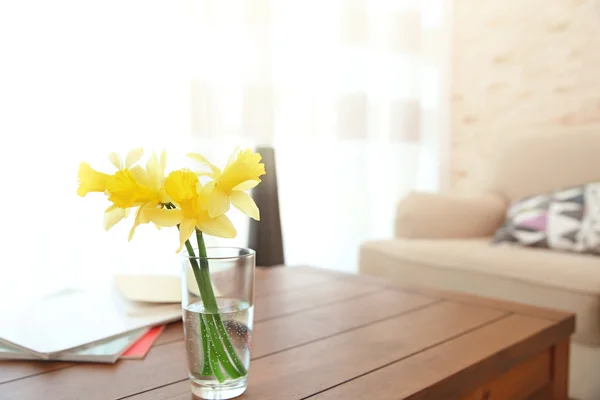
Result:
{"points": [[539, 277]]}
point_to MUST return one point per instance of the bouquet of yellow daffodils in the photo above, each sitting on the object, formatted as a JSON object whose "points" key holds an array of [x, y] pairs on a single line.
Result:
{"points": [[182, 199]]}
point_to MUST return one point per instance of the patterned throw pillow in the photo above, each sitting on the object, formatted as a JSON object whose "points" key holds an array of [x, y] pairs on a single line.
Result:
{"points": [[565, 220]]}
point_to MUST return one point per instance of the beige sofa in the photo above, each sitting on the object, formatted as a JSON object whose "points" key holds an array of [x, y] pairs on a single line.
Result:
{"points": [[444, 241]]}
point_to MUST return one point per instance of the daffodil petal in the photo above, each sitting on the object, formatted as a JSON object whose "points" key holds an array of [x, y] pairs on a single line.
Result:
{"points": [[112, 216], [232, 156], [220, 226], [245, 167], [126, 190], [163, 160], [186, 228], [163, 216], [141, 217], [208, 187], [136, 222], [116, 160], [249, 184], [155, 172], [202, 160], [133, 156], [180, 185], [151, 205], [243, 202], [202, 173], [218, 203], [140, 175], [90, 180]]}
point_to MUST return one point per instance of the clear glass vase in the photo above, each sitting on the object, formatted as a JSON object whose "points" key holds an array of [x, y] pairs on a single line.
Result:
{"points": [[218, 313]]}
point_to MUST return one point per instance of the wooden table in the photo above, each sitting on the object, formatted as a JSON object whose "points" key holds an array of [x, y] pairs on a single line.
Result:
{"points": [[322, 335]]}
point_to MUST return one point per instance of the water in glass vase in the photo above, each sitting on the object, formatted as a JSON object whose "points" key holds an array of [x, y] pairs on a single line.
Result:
{"points": [[236, 318]]}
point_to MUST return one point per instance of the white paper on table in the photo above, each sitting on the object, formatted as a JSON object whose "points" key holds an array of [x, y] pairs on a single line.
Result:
{"points": [[106, 351], [74, 317], [157, 288]]}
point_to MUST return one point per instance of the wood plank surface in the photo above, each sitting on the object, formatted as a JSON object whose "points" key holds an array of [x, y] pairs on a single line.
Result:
{"points": [[13, 370], [291, 301], [327, 335], [175, 391], [334, 360], [172, 333], [280, 280], [293, 330], [76, 379], [460, 364], [275, 281]]}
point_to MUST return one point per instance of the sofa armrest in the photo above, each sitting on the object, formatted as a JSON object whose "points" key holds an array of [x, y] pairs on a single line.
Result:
{"points": [[437, 216]]}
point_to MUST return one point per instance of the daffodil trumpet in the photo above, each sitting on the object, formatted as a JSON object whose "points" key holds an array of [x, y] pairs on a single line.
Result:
{"points": [[195, 202]]}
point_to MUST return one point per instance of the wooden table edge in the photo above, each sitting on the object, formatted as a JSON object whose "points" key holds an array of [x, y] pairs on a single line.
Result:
{"points": [[553, 339]]}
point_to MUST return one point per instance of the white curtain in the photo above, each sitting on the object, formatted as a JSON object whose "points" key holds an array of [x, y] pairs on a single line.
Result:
{"points": [[352, 95], [79, 79]]}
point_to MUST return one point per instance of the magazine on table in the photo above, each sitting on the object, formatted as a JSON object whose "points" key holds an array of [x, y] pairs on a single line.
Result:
{"points": [[80, 324], [108, 351]]}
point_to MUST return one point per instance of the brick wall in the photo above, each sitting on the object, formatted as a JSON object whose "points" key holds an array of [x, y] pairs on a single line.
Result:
{"points": [[520, 67]]}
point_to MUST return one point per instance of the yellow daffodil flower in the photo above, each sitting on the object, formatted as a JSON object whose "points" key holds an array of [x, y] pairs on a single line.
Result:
{"points": [[138, 187], [242, 172], [131, 186], [186, 191], [91, 180]]}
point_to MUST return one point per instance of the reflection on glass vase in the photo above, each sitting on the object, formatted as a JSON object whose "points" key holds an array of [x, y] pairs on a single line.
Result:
{"points": [[218, 312]]}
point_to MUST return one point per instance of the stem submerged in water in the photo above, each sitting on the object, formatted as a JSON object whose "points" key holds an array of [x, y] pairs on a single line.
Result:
{"points": [[218, 323], [217, 347], [211, 325], [206, 367], [213, 357]]}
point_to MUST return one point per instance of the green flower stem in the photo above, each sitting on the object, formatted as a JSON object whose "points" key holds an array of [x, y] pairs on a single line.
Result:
{"points": [[204, 328], [229, 346], [206, 367], [218, 322], [203, 278], [210, 305], [217, 346], [212, 347], [214, 361]]}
